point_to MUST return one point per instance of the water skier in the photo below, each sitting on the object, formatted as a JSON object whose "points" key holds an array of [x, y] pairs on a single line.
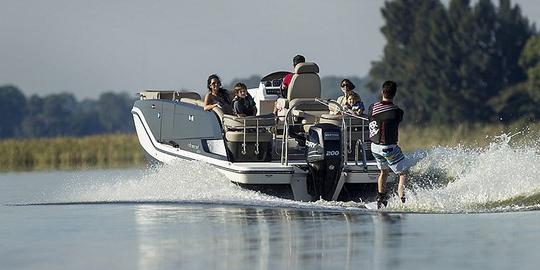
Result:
{"points": [[384, 119]]}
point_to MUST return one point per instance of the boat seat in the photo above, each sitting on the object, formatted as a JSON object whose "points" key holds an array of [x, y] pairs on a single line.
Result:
{"points": [[168, 94], [218, 111], [231, 122], [309, 113], [248, 139], [235, 126], [193, 101], [305, 83], [251, 137], [179, 95]]}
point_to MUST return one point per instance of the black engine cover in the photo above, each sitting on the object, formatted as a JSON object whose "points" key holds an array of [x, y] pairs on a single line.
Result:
{"points": [[325, 160]]}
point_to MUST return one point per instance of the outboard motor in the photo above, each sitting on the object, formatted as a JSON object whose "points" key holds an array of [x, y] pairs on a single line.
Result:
{"points": [[325, 160]]}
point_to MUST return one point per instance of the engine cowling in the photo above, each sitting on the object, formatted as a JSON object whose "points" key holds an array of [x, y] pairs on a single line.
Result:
{"points": [[325, 160]]}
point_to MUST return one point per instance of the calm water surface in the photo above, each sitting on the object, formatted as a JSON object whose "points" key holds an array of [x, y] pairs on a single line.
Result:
{"points": [[130, 219]]}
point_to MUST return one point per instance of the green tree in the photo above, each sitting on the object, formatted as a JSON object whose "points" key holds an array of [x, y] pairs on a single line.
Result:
{"points": [[49, 116], [530, 61], [85, 120], [512, 32], [514, 104], [413, 55], [477, 80], [449, 62], [63, 115], [57, 114], [12, 110], [33, 125], [114, 112]]}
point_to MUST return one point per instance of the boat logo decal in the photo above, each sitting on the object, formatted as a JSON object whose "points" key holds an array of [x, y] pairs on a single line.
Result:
{"points": [[193, 146]]}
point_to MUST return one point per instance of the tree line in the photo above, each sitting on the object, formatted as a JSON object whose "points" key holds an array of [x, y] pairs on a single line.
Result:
{"points": [[462, 62], [62, 114]]}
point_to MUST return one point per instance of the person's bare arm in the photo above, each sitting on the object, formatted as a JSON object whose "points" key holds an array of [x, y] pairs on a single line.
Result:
{"points": [[207, 106]]}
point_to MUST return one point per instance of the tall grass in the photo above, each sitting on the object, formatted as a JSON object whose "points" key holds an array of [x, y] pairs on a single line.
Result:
{"points": [[474, 135], [102, 151]]}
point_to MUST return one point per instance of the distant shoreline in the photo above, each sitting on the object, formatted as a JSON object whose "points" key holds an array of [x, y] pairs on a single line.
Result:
{"points": [[123, 150]]}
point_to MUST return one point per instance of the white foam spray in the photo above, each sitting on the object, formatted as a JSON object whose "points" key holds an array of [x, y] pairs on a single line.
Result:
{"points": [[457, 179], [181, 182], [463, 179]]}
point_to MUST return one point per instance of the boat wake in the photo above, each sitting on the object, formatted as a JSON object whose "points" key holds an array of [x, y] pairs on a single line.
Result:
{"points": [[497, 178], [182, 183], [500, 177]]}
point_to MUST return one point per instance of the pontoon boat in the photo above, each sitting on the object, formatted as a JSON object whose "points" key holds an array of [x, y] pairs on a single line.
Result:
{"points": [[306, 153]]}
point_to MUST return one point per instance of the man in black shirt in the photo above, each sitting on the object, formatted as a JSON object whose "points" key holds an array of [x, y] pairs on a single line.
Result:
{"points": [[384, 119]]}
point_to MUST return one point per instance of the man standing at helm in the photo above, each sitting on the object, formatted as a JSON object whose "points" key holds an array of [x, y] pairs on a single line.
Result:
{"points": [[384, 119]]}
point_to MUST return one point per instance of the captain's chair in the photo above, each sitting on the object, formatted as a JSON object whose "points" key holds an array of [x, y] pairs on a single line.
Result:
{"points": [[305, 83]]}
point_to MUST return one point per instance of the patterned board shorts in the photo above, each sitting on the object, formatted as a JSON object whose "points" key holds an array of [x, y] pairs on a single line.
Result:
{"points": [[390, 156]]}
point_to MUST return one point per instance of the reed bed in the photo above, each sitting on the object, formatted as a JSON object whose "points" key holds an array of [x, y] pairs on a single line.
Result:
{"points": [[471, 135], [123, 150], [101, 151]]}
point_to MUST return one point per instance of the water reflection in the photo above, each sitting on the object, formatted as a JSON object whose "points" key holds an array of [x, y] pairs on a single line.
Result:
{"points": [[252, 238]]}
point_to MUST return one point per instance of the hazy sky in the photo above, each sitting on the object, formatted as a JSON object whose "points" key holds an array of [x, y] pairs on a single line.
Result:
{"points": [[88, 47]]}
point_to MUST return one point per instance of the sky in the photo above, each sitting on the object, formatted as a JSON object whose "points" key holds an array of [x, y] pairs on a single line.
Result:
{"points": [[89, 47]]}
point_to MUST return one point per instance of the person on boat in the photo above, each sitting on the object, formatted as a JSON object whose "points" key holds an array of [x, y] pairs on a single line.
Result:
{"points": [[286, 81], [297, 59], [243, 104], [216, 96], [295, 131], [354, 105], [347, 88], [384, 119]]}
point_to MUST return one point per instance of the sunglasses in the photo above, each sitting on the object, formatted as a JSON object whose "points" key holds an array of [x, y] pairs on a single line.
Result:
{"points": [[345, 85]]}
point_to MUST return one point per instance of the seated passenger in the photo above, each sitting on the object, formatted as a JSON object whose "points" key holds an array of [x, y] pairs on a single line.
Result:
{"points": [[347, 87], [216, 96], [243, 104], [354, 105]]}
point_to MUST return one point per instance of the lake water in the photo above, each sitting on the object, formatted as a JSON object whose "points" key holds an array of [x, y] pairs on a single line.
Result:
{"points": [[466, 209]]}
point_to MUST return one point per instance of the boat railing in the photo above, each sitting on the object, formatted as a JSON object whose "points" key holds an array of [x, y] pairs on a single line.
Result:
{"points": [[246, 128], [255, 124], [346, 132], [286, 124], [359, 144]]}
